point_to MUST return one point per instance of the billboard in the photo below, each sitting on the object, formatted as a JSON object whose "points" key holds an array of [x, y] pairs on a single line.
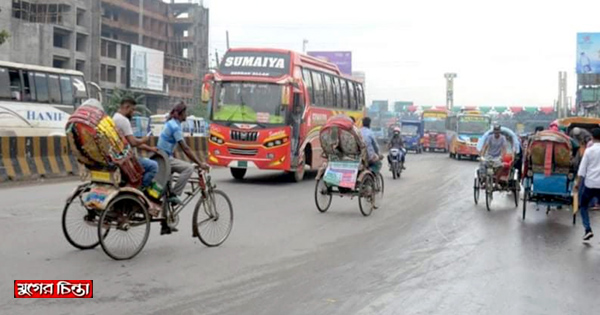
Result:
{"points": [[146, 68], [588, 53], [342, 59]]}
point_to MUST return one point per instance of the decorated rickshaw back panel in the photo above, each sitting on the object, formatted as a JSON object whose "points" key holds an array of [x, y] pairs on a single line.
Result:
{"points": [[550, 152], [97, 144]]}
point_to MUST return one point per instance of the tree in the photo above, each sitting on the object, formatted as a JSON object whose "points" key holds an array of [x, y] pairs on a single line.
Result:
{"points": [[114, 102], [199, 110], [4, 36]]}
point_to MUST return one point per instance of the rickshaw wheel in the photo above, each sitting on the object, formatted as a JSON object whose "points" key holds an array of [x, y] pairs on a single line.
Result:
{"points": [[79, 224], [128, 221], [489, 194], [476, 190], [322, 196], [525, 195], [366, 195]]}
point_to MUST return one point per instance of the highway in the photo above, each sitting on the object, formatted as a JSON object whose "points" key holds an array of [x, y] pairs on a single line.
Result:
{"points": [[427, 250]]}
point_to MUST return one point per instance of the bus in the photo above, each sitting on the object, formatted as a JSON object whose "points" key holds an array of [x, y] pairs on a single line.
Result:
{"points": [[434, 137], [268, 106], [464, 131], [194, 126], [38, 101]]}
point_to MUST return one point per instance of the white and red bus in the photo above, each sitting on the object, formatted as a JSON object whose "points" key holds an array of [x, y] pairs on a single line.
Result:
{"points": [[268, 105]]}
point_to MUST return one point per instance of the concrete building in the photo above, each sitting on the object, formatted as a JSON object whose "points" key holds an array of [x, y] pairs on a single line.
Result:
{"points": [[95, 37]]}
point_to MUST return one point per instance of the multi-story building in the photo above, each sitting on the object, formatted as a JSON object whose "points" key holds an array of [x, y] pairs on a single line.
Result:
{"points": [[96, 37]]}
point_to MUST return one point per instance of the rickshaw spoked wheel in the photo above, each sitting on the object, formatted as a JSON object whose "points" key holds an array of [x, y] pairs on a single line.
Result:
{"points": [[525, 196], [322, 196], [476, 190], [366, 195], [489, 193], [128, 221]]}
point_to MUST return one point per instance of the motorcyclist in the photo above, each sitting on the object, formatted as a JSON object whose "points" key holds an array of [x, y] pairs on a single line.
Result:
{"points": [[396, 142]]}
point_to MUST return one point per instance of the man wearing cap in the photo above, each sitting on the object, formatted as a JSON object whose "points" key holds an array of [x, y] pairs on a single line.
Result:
{"points": [[589, 174]]}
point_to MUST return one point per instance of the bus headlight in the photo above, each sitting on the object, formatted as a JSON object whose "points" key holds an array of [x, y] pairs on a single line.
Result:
{"points": [[217, 152], [216, 139], [270, 156], [276, 142]]}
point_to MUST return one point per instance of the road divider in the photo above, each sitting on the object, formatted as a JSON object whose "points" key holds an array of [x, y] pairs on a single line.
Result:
{"points": [[31, 158]]}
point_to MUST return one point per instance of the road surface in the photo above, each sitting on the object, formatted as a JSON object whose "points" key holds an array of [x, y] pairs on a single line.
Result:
{"points": [[428, 250]]}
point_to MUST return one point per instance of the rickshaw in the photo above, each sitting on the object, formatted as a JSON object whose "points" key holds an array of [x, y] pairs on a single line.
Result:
{"points": [[549, 172], [345, 172], [497, 174], [110, 210], [412, 134]]}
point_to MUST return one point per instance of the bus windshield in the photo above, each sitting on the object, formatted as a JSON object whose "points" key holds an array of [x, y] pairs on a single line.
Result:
{"points": [[477, 125], [435, 125], [410, 130], [246, 102]]}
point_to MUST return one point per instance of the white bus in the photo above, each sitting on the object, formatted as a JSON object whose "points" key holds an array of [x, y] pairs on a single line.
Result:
{"points": [[37, 101], [195, 126]]}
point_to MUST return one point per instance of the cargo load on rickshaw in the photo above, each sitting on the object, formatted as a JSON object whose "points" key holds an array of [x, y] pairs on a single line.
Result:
{"points": [[549, 171], [346, 172], [99, 146]]}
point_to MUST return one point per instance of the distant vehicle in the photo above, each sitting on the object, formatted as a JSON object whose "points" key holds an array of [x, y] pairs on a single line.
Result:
{"points": [[464, 131], [434, 137], [140, 126], [268, 106], [193, 127], [37, 101]]}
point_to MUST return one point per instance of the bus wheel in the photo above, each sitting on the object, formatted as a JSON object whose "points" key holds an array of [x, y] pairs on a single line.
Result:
{"points": [[238, 173]]}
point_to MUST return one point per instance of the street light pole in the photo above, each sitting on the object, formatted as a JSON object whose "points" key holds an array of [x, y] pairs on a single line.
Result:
{"points": [[449, 90]]}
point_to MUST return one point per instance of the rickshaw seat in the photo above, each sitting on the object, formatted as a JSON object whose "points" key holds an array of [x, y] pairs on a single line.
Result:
{"points": [[163, 176]]}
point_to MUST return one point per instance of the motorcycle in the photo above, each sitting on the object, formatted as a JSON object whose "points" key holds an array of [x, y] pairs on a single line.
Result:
{"points": [[396, 164]]}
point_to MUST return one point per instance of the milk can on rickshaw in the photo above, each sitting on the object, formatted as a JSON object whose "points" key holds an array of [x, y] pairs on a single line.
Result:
{"points": [[346, 172]]}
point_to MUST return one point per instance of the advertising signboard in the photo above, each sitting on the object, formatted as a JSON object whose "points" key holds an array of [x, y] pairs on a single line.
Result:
{"points": [[252, 63], [342, 59], [588, 53], [146, 68]]}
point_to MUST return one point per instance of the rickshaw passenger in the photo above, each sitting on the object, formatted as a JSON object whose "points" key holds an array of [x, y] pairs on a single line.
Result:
{"points": [[122, 120], [396, 142], [373, 155]]}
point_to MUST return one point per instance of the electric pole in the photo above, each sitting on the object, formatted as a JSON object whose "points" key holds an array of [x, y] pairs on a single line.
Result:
{"points": [[449, 90], [304, 43]]}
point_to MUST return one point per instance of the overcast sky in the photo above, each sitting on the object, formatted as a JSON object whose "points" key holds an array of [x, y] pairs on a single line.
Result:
{"points": [[506, 53]]}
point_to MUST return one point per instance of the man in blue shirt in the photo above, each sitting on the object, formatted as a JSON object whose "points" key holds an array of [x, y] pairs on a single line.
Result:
{"points": [[170, 137], [373, 155]]}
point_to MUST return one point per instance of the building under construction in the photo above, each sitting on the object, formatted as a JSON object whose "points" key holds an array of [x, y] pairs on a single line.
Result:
{"points": [[97, 37]]}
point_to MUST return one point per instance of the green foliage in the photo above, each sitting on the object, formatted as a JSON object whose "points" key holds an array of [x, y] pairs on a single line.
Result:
{"points": [[199, 110], [113, 103], [4, 36]]}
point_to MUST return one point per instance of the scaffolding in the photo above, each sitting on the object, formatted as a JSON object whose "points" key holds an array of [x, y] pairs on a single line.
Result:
{"points": [[46, 13]]}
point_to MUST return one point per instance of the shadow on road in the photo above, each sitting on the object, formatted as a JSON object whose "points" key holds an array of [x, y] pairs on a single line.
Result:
{"points": [[271, 179]]}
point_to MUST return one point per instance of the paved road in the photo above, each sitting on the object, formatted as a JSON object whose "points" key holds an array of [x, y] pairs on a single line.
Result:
{"points": [[428, 250]]}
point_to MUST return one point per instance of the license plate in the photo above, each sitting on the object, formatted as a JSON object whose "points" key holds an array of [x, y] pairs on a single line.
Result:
{"points": [[242, 163], [100, 176]]}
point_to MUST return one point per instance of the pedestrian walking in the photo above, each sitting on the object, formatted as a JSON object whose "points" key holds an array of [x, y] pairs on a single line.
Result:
{"points": [[589, 173]]}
